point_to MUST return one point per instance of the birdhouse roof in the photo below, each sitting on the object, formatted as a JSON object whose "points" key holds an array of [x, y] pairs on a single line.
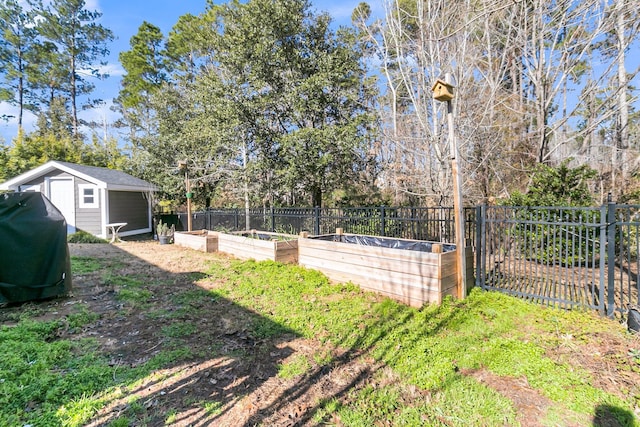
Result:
{"points": [[441, 82]]}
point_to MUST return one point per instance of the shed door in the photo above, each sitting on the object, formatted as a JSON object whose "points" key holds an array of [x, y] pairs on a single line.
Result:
{"points": [[62, 196]]}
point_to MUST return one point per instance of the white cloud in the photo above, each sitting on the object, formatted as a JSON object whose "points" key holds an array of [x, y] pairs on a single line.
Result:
{"points": [[7, 109], [111, 69]]}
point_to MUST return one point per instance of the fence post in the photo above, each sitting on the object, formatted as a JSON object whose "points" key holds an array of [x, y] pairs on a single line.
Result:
{"points": [[480, 244], [316, 220], [383, 222], [603, 256], [235, 219], [611, 257], [273, 220]]}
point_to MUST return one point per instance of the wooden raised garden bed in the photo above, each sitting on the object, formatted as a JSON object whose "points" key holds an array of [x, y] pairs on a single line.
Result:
{"points": [[260, 245], [409, 271], [201, 240]]}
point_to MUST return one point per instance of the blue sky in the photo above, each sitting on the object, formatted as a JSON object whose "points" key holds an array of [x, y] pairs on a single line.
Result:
{"points": [[123, 17]]}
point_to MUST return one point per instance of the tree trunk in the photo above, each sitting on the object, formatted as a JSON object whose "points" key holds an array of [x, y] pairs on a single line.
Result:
{"points": [[245, 187], [20, 89], [316, 197], [622, 137], [74, 109]]}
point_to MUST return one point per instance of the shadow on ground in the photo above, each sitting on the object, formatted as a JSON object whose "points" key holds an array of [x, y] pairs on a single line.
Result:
{"points": [[180, 353], [183, 354]]}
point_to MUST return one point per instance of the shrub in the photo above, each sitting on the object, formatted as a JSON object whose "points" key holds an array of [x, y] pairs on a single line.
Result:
{"points": [[548, 221], [559, 186], [84, 237]]}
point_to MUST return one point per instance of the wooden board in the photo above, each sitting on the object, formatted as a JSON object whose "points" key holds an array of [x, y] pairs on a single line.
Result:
{"points": [[202, 240], [424, 264], [412, 277], [244, 247], [286, 251]]}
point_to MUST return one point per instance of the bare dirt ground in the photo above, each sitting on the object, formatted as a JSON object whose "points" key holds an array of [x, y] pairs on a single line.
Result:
{"points": [[230, 378]]}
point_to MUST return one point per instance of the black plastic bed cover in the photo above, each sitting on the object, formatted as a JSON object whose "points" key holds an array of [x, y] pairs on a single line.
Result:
{"points": [[384, 242], [34, 254]]}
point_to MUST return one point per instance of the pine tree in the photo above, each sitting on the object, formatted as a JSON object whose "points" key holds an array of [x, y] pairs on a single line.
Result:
{"points": [[17, 44], [145, 72], [80, 41]]}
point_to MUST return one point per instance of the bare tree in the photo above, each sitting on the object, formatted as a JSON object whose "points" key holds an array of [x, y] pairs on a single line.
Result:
{"points": [[525, 91]]}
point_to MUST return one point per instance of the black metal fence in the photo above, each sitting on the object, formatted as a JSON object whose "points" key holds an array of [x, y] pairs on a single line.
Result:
{"points": [[568, 257], [431, 224], [564, 256]]}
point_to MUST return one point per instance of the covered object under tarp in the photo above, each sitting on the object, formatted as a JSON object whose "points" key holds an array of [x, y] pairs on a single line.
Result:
{"points": [[34, 255]]}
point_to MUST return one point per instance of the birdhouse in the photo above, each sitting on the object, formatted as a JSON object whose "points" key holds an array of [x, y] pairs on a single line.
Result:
{"points": [[442, 91]]}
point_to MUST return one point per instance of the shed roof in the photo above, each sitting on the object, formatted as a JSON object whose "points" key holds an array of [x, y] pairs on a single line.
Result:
{"points": [[110, 179]]}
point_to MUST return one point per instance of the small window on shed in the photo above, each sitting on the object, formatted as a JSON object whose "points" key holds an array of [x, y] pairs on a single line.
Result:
{"points": [[88, 196]]}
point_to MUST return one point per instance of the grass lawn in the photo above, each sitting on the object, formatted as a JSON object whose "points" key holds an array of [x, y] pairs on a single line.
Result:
{"points": [[166, 336]]}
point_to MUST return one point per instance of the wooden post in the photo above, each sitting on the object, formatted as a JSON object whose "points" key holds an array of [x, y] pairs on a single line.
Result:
{"points": [[457, 202], [339, 231], [188, 188]]}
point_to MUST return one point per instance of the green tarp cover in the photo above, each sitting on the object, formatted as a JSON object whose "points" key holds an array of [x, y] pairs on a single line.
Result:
{"points": [[34, 255]]}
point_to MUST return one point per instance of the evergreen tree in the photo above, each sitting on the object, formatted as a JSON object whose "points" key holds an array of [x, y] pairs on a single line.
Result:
{"points": [[557, 186], [30, 151], [55, 121], [17, 44], [145, 72], [289, 94], [79, 41]]}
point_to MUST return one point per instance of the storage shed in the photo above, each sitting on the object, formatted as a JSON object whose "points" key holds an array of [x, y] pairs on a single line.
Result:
{"points": [[91, 197]]}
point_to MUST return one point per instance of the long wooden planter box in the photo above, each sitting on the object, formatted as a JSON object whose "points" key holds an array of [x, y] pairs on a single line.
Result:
{"points": [[409, 276], [247, 245], [201, 240]]}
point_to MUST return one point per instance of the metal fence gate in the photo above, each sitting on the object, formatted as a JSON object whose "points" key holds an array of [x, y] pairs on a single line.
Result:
{"points": [[562, 256]]}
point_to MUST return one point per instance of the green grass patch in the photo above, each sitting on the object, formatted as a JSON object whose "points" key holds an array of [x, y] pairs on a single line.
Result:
{"points": [[130, 289], [463, 402], [195, 297], [167, 358], [136, 297], [298, 365], [121, 422], [171, 417], [45, 381], [179, 330], [48, 381], [427, 355], [27, 311], [85, 265], [127, 282], [211, 408], [427, 348], [81, 318], [294, 298]]}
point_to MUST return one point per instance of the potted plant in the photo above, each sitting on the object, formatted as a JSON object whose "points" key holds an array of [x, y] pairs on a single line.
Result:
{"points": [[165, 233]]}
